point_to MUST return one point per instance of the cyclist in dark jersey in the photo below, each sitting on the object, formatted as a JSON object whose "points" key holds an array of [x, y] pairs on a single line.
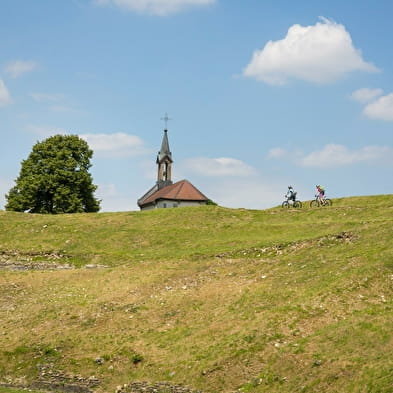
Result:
{"points": [[291, 194]]}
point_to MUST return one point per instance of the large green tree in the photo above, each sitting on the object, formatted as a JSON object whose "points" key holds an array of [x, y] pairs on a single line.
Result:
{"points": [[55, 178]]}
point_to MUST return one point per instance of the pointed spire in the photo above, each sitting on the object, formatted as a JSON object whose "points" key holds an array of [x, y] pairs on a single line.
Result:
{"points": [[165, 151], [164, 162]]}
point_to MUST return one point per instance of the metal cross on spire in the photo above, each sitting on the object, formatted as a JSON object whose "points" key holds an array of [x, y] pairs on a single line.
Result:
{"points": [[166, 119]]}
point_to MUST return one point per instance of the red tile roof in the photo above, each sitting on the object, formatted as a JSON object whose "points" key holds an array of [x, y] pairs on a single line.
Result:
{"points": [[181, 191]]}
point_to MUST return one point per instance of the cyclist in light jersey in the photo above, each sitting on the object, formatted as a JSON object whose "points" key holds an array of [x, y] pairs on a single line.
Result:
{"points": [[321, 193]]}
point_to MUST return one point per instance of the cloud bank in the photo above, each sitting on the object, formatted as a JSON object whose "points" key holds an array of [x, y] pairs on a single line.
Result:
{"points": [[377, 106], [223, 166], [321, 54], [117, 145], [338, 155], [365, 95], [155, 7], [335, 155]]}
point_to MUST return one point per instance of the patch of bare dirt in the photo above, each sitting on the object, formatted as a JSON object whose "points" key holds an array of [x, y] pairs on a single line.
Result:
{"points": [[16, 260]]}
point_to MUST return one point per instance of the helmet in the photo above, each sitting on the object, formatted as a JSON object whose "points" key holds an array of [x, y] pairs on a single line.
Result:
{"points": [[290, 187]]}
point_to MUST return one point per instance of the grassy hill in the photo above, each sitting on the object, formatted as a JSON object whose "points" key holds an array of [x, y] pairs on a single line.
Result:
{"points": [[220, 300]]}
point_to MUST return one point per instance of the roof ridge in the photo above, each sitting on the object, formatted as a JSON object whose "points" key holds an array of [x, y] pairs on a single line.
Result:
{"points": [[179, 187]]}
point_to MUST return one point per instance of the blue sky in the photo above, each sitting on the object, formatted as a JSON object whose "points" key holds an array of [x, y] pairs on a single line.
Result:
{"points": [[262, 94]]}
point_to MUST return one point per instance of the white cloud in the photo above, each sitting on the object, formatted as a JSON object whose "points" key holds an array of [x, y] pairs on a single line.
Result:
{"points": [[380, 109], [115, 145], [19, 67], [155, 7], [321, 54], [279, 153], [223, 166], [276, 152], [333, 155], [366, 95], [5, 97]]}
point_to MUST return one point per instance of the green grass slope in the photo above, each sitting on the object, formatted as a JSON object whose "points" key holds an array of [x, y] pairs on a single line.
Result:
{"points": [[217, 299]]}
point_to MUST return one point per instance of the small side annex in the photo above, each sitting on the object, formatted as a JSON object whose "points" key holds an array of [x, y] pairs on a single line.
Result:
{"points": [[165, 193]]}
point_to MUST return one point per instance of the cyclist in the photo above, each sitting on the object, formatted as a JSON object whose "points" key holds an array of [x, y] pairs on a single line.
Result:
{"points": [[321, 193], [291, 194]]}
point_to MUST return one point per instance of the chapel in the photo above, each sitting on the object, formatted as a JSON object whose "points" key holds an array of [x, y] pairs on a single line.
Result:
{"points": [[165, 193]]}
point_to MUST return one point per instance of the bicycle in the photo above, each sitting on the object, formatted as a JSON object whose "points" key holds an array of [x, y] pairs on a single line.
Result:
{"points": [[320, 202], [290, 202]]}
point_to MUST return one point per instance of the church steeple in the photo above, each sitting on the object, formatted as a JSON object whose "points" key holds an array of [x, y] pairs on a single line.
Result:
{"points": [[165, 193], [164, 151], [164, 162]]}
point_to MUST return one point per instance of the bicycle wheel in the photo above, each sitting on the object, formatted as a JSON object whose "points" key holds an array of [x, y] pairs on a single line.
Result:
{"points": [[297, 204], [285, 204], [314, 203], [328, 202]]}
